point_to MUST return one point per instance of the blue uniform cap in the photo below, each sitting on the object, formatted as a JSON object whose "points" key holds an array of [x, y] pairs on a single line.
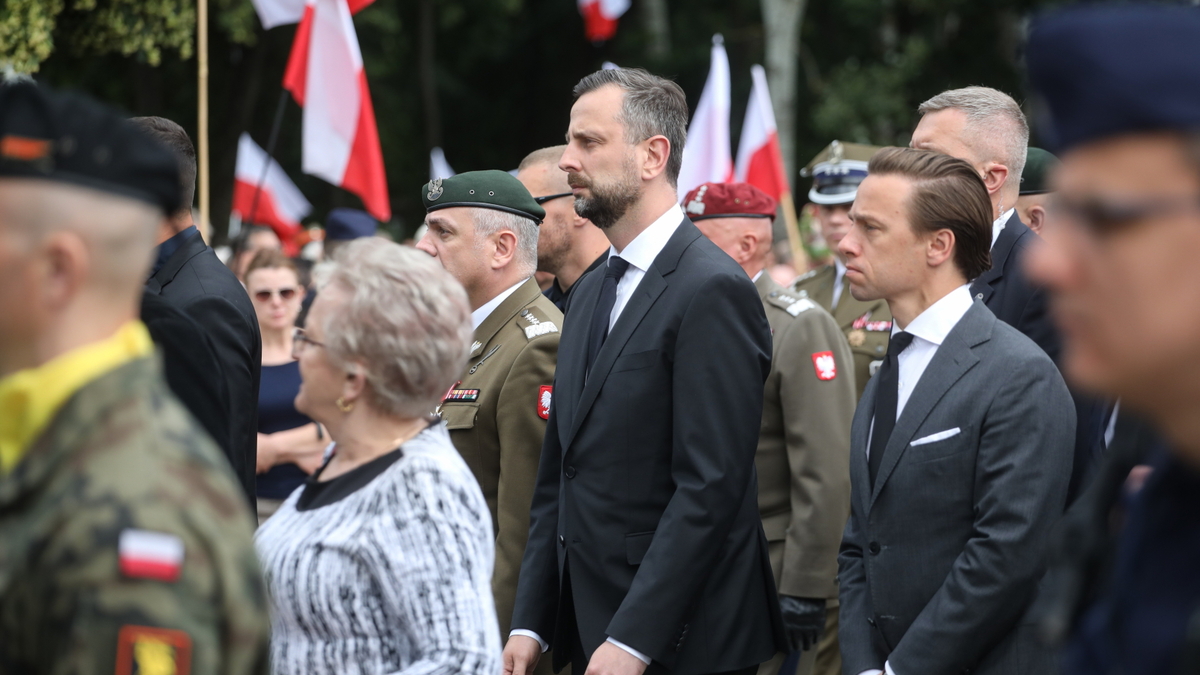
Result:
{"points": [[346, 224], [1107, 70]]}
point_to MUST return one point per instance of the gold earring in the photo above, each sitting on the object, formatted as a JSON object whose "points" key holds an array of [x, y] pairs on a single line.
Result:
{"points": [[343, 406]]}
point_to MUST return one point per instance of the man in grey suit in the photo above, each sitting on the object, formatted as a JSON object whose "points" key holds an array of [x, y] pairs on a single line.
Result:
{"points": [[960, 450]]}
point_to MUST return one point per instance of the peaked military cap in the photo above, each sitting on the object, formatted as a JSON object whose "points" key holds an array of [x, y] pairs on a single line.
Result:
{"points": [[1038, 164], [344, 224], [836, 172], [71, 138], [728, 200], [1106, 70], [491, 189]]}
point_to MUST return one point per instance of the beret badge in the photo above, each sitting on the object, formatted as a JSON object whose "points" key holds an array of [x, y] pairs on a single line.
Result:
{"points": [[435, 189]]}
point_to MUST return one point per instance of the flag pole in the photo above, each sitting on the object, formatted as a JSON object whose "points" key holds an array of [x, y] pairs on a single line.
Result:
{"points": [[270, 149], [792, 224], [202, 112]]}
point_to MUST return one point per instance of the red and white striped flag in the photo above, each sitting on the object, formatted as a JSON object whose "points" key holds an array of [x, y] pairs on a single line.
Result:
{"points": [[706, 155], [759, 159], [143, 554], [600, 17], [325, 75], [281, 12], [280, 204]]}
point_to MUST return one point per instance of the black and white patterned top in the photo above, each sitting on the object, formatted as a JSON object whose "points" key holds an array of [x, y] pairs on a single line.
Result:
{"points": [[385, 569]]}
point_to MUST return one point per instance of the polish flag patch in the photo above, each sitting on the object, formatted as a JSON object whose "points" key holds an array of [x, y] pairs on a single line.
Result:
{"points": [[143, 554], [545, 393], [825, 366]]}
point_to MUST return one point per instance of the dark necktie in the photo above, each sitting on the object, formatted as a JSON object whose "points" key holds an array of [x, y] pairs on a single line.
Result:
{"points": [[885, 402], [608, 297]]}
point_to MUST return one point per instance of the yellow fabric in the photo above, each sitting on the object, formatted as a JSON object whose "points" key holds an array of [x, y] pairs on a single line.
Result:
{"points": [[30, 398]]}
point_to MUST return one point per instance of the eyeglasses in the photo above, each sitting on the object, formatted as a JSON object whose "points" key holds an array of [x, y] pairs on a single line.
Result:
{"points": [[1103, 218], [299, 340], [284, 294], [543, 200]]}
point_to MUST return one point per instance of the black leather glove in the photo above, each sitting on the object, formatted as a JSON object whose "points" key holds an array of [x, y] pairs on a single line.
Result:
{"points": [[803, 621]]}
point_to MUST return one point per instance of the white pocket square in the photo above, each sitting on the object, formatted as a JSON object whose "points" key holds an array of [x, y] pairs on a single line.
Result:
{"points": [[939, 436]]}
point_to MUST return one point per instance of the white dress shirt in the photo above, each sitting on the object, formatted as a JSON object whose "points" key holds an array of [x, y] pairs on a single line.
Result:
{"points": [[998, 224], [839, 276], [480, 315], [640, 254], [929, 331]]}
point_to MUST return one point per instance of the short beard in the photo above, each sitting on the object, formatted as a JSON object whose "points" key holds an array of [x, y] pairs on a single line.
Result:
{"points": [[608, 203]]}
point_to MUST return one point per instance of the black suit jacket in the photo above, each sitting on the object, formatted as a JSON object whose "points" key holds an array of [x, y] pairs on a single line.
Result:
{"points": [[1008, 293], [647, 483], [194, 280]]}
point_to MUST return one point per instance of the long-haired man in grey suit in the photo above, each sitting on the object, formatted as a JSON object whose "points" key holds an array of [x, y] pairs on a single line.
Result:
{"points": [[960, 450]]}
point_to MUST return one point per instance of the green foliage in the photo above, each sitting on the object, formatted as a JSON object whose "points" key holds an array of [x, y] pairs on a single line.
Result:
{"points": [[26, 28], [237, 19]]}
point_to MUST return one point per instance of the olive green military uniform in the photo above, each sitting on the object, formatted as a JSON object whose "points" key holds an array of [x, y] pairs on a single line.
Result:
{"points": [[803, 458], [866, 324], [125, 543], [497, 417]]}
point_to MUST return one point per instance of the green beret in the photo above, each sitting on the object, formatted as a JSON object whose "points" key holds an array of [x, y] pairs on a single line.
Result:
{"points": [[1038, 164], [484, 190]]}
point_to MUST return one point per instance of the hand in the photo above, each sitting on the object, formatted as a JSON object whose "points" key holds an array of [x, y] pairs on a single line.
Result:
{"points": [[803, 621], [265, 457], [610, 659], [521, 654]]}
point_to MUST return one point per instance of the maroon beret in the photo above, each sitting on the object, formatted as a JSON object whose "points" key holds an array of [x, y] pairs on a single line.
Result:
{"points": [[728, 200]]}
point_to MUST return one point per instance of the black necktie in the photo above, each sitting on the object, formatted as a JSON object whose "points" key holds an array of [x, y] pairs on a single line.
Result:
{"points": [[885, 402], [608, 297]]}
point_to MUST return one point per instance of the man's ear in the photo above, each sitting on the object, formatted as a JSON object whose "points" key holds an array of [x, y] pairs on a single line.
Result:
{"points": [[64, 266], [506, 249], [654, 160], [995, 176], [940, 247], [1037, 218]]}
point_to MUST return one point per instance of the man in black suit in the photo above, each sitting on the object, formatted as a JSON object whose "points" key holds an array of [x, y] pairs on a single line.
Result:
{"points": [[645, 551], [188, 274], [960, 449]]}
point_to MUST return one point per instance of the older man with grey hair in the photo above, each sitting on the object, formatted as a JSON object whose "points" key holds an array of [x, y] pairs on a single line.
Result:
{"points": [[483, 228]]}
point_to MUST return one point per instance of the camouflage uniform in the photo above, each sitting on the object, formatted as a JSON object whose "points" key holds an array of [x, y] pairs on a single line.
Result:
{"points": [[123, 458]]}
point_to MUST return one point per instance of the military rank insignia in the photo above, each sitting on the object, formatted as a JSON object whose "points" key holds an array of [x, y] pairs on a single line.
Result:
{"points": [[466, 395], [545, 392], [825, 366], [537, 326], [142, 554], [142, 650]]}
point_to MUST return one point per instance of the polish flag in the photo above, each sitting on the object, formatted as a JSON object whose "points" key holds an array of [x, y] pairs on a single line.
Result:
{"points": [[600, 17], [759, 159], [280, 204], [706, 155], [142, 554], [274, 13], [325, 75]]}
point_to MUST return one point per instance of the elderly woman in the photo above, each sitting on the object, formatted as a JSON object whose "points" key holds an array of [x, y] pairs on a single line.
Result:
{"points": [[382, 561]]}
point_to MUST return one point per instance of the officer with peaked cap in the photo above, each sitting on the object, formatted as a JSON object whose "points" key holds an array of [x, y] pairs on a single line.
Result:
{"points": [[126, 540], [1118, 95], [1034, 197], [836, 172], [483, 228], [803, 456]]}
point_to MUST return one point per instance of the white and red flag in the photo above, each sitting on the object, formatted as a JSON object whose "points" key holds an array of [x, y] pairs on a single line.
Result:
{"points": [[144, 554], [600, 17], [274, 13], [759, 159], [706, 155], [325, 75], [279, 204]]}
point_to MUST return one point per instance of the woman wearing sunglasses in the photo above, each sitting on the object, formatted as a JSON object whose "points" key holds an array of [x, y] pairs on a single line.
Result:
{"points": [[290, 445]]}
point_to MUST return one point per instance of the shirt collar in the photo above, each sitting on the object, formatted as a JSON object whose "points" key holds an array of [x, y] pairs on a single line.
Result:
{"points": [[839, 270], [169, 247], [998, 224], [480, 315], [936, 322], [30, 398], [645, 247]]}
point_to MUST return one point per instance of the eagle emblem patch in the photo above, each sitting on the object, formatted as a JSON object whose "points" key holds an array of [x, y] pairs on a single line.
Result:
{"points": [[435, 189], [545, 392], [825, 366]]}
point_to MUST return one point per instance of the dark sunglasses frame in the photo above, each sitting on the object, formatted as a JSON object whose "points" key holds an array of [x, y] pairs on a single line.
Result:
{"points": [[543, 200], [284, 293]]}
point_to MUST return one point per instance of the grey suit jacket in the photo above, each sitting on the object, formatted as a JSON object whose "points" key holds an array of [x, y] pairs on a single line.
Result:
{"points": [[941, 559]]}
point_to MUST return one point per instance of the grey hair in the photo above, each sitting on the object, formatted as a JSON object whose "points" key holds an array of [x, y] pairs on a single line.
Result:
{"points": [[490, 221], [407, 321], [651, 106], [992, 116]]}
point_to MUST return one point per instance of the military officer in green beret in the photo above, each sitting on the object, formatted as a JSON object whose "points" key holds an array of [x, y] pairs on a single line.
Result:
{"points": [[1035, 188], [836, 173], [483, 228]]}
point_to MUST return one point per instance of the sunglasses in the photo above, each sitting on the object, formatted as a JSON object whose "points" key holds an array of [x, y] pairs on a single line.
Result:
{"points": [[543, 200], [265, 294]]}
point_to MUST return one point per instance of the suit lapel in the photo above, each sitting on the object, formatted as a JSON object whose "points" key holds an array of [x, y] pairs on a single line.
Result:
{"points": [[983, 287], [860, 430], [953, 359], [572, 353]]}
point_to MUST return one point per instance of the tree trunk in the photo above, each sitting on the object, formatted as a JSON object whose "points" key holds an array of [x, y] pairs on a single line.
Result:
{"points": [[427, 66], [781, 26], [658, 26]]}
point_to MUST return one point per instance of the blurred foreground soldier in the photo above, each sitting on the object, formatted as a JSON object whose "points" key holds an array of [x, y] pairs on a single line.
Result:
{"points": [[646, 552], [126, 542], [803, 457], [483, 228], [837, 172], [1121, 266], [960, 451], [1035, 188], [187, 273], [569, 245], [343, 226]]}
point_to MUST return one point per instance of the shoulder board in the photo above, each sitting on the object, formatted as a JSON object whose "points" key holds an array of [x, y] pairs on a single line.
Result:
{"points": [[533, 325], [808, 275], [792, 303]]}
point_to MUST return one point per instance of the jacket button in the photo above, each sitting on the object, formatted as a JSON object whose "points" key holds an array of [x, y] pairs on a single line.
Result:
{"points": [[871, 621], [873, 547], [562, 541], [569, 472]]}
